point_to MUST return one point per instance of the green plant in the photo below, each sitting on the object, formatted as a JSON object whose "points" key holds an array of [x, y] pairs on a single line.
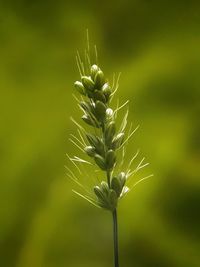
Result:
{"points": [[102, 141]]}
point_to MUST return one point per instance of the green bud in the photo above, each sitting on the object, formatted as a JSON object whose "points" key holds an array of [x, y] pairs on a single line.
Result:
{"points": [[86, 106], [94, 70], [99, 194], [79, 87], [98, 95], [107, 198], [116, 186], [89, 109], [96, 142], [110, 132], [90, 94], [122, 178], [112, 200], [100, 161], [89, 121], [106, 89], [109, 113], [87, 83], [93, 140], [100, 109], [90, 150], [105, 188], [110, 159], [118, 140], [99, 79]]}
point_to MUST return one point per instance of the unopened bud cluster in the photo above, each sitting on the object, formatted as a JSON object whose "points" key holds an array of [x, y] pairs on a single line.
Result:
{"points": [[102, 148]]}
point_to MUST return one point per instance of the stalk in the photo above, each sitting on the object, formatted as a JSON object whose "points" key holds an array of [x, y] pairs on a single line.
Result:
{"points": [[115, 230], [115, 238], [102, 141], [114, 215]]}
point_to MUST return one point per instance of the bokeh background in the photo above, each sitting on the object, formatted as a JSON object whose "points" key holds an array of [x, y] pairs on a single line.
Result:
{"points": [[156, 46]]}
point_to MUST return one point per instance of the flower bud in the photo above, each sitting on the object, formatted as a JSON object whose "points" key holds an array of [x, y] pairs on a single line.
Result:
{"points": [[94, 70], [107, 198], [100, 162], [109, 113], [86, 106], [116, 186], [79, 87], [118, 140], [100, 110], [99, 194], [105, 188], [110, 132], [89, 121], [90, 150], [93, 140], [106, 89], [96, 142], [110, 159], [103, 199], [90, 94], [87, 83], [98, 95], [122, 178], [99, 79], [112, 200]]}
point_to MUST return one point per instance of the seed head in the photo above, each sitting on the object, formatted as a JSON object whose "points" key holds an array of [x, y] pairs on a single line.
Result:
{"points": [[101, 140]]}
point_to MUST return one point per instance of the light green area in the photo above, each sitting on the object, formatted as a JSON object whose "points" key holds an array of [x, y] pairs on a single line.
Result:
{"points": [[156, 46]]}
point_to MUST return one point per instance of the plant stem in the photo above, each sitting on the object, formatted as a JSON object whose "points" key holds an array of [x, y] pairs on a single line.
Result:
{"points": [[115, 237], [114, 213]]}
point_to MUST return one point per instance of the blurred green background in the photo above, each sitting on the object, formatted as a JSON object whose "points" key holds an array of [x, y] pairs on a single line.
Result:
{"points": [[156, 46]]}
